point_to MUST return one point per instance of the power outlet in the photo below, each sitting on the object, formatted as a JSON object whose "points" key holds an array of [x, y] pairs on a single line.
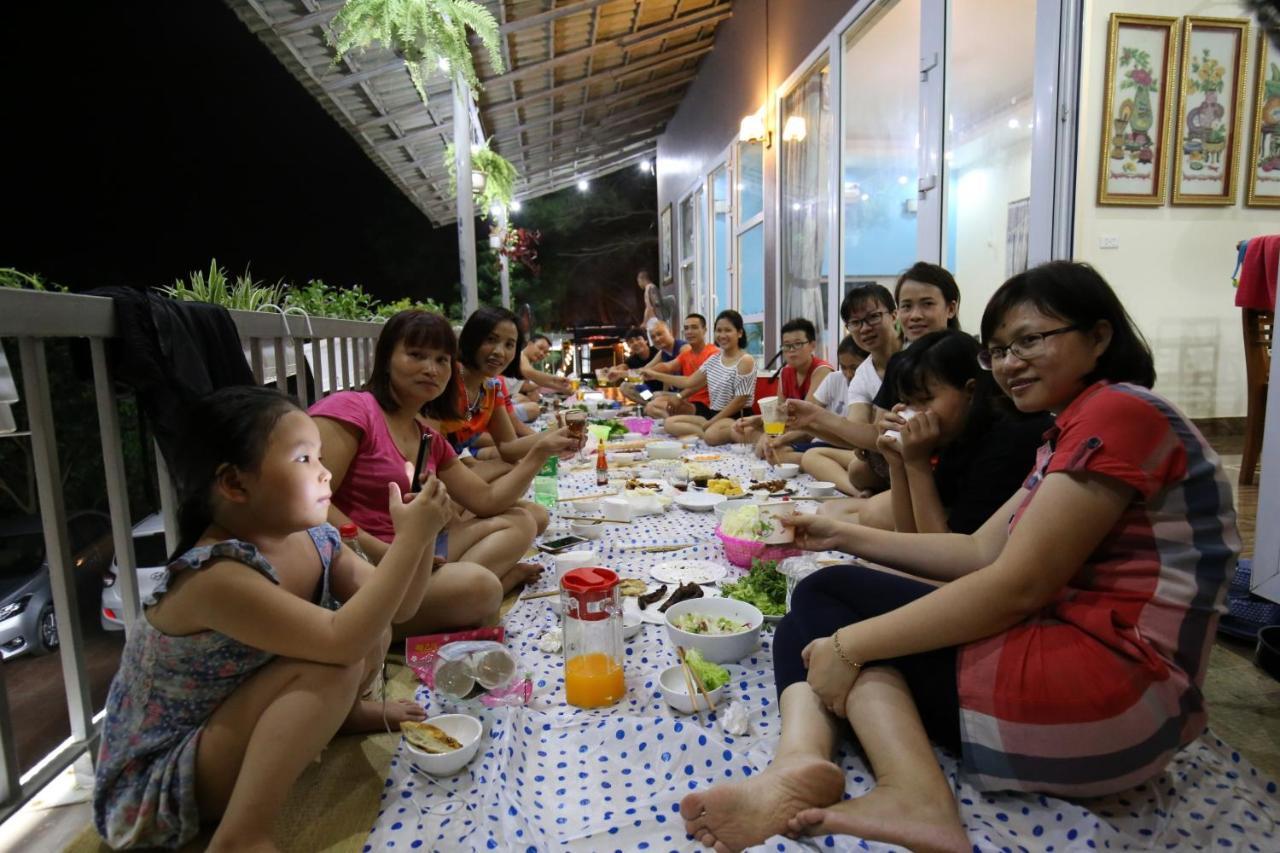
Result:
{"points": [[1109, 242]]}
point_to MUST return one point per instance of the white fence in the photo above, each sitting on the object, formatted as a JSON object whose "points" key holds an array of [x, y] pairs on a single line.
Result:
{"points": [[340, 353]]}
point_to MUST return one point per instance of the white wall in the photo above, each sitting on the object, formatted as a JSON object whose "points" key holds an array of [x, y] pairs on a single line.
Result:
{"points": [[1173, 265]]}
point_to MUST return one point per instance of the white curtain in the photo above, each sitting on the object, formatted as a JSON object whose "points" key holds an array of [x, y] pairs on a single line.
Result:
{"points": [[806, 181]]}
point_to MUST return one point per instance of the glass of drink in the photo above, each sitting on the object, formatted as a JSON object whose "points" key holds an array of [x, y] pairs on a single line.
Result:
{"points": [[796, 569], [773, 411], [576, 421]]}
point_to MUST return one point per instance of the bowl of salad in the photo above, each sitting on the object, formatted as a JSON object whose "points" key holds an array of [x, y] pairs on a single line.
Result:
{"points": [[724, 630]]}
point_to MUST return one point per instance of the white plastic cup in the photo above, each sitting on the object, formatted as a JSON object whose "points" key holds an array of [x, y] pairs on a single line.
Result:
{"points": [[574, 560], [777, 512], [774, 419], [760, 472]]}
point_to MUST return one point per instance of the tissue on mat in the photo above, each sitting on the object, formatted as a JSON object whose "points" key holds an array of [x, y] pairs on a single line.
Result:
{"points": [[551, 642], [735, 719]]}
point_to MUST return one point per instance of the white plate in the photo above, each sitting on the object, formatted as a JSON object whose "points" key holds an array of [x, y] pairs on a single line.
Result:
{"points": [[698, 501], [652, 614], [688, 571]]}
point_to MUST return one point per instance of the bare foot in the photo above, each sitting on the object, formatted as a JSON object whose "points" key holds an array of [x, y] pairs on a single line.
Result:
{"points": [[922, 824], [367, 715], [521, 574], [737, 815]]}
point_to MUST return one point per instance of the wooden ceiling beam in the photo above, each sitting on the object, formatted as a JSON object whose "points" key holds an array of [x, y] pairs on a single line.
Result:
{"points": [[547, 17]]}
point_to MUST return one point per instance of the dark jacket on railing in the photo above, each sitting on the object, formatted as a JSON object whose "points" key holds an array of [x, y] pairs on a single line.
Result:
{"points": [[172, 353]]}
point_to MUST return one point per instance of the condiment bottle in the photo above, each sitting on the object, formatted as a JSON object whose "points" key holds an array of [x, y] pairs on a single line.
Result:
{"points": [[602, 466], [593, 676], [350, 534]]}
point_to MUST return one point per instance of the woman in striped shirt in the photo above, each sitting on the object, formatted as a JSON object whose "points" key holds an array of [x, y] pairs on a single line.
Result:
{"points": [[730, 379], [1061, 648]]}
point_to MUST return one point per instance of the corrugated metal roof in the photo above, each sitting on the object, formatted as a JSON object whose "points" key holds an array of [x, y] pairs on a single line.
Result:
{"points": [[589, 86]]}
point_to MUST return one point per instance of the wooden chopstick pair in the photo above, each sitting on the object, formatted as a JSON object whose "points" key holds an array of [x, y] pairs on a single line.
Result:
{"points": [[691, 672], [593, 518], [587, 497]]}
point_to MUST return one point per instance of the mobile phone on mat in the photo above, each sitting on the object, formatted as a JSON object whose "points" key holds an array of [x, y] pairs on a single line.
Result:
{"points": [[554, 546]]}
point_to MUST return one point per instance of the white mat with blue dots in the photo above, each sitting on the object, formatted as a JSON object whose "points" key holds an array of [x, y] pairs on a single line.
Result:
{"points": [[551, 777]]}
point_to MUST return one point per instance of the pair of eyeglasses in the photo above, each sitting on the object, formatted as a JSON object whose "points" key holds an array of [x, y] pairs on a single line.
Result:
{"points": [[870, 320], [1026, 347], [794, 347]]}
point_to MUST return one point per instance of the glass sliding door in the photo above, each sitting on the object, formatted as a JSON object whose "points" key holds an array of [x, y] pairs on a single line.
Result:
{"points": [[720, 241], [987, 146], [749, 239], [804, 212], [880, 143]]}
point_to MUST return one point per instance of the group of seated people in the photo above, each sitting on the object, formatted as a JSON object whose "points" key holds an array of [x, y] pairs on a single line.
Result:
{"points": [[1054, 543]]}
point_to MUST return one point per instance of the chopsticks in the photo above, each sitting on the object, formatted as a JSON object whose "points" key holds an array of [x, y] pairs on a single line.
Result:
{"points": [[592, 518], [655, 549], [544, 594], [587, 497], [690, 671]]}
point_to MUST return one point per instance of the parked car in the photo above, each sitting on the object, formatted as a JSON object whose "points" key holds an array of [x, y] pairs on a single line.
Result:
{"points": [[151, 557], [27, 620]]}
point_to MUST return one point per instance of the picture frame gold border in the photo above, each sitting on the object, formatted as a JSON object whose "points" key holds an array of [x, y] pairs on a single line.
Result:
{"points": [[1252, 199]]}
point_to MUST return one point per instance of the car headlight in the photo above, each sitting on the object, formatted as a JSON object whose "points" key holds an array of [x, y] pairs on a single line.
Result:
{"points": [[13, 608]]}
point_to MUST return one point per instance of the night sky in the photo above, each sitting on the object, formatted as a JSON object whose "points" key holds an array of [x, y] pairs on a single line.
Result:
{"points": [[146, 138]]}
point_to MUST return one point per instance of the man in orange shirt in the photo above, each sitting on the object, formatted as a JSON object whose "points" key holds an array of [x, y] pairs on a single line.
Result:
{"points": [[687, 363]]}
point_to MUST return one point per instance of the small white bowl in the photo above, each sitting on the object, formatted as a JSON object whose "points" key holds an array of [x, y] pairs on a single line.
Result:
{"points": [[574, 560], [675, 690], [587, 529], [719, 648], [699, 501], [787, 470], [623, 456], [664, 449], [632, 624], [464, 728], [821, 488]]}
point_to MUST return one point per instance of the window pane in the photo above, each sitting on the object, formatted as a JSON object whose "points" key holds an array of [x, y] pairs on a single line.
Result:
{"points": [[988, 146], [688, 293], [720, 238], [805, 209], [751, 269], [755, 341], [881, 142], [750, 180]]}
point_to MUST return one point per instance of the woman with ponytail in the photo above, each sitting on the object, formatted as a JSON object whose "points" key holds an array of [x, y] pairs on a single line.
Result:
{"points": [[253, 650]]}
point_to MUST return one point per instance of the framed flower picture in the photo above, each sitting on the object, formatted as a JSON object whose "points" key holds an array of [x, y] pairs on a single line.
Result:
{"points": [[1264, 156], [1210, 106], [1141, 54]]}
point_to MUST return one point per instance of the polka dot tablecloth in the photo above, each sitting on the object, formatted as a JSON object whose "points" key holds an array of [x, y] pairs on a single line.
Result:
{"points": [[551, 777]]}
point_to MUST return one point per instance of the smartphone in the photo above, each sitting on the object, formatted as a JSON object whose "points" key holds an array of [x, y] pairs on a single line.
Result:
{"points": [[645, 394], [555, 546], [415, 485]]}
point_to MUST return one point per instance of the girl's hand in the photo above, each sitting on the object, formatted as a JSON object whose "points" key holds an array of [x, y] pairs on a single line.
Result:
{"points": [[557, 442], [742, 426], [891, 419], [920, 436], [890, 449], [829, 676], [427, 514], [771, 448], [801, 413], [817, 532]]}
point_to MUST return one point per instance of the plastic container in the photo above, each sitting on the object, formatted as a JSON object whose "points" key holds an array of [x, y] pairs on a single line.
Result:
{"points": [[350, 534], [593, 676], [741, 552], [642, 426], [546, 488]]}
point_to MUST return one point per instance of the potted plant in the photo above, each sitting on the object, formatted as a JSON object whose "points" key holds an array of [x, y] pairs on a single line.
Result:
{"points": [[493, 178], [426, 34]]}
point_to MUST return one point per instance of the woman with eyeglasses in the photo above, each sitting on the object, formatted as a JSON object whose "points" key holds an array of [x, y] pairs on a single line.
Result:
{"points": [[801, 376], [1061, 648], [869, 314]]}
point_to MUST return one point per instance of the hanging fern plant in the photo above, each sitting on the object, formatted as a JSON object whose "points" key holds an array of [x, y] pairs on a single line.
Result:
{"points": [[499, 176], [422, 32]]}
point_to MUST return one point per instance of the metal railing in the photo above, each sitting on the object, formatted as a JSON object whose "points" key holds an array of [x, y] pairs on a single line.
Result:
{"points": [[340, 353]]}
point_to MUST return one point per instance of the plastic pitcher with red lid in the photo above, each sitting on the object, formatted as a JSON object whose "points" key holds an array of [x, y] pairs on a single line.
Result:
{"points": [[592, 609]]}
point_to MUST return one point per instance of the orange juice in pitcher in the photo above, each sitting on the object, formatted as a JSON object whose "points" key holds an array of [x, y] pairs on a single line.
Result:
{"points": [[593, 676]]}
